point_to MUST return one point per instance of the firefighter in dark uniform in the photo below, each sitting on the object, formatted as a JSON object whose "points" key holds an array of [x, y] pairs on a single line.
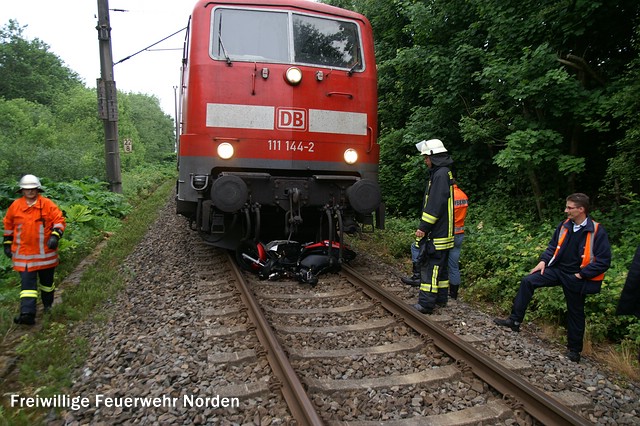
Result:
{"points": [[435, 232], [577, 257]]}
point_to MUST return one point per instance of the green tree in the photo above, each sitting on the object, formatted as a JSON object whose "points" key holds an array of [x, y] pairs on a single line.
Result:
{"points": [[26, 128], [525, 94], [59, 144], [79, 151], [155, 128], [28, 70], [49, 123], [150, 130], [622, 179]]}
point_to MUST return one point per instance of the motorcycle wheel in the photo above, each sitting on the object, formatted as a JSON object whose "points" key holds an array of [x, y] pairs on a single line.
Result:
{"points": [[252, 250]]}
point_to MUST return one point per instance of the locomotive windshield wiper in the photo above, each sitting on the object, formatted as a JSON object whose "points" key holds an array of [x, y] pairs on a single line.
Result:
{"points": [[221, 44], [353, 67]]}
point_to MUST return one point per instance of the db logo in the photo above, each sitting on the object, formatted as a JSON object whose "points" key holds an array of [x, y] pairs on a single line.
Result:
{"points": [[291, 119]]}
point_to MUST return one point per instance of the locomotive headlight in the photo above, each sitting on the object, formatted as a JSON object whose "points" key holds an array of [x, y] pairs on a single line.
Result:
{"points": [[350, 156], [225, 150], [293, 76]]}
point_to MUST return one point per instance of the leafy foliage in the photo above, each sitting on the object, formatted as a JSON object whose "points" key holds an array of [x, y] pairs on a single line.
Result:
{"points": [[49, 124], [538, 93], [29, 71], [535, 100]]}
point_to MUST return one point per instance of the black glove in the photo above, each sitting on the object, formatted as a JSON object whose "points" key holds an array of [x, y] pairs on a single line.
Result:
{"points": [[7, 246], [54, 238], [53, 242], [427, 249]]}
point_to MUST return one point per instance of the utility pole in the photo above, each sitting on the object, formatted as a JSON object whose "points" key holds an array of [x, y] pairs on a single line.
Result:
{"points": [[108, 99]]}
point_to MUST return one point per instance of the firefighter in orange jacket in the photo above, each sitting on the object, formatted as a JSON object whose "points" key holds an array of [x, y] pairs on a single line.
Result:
{"points": [[33, 227], [577, 257]]}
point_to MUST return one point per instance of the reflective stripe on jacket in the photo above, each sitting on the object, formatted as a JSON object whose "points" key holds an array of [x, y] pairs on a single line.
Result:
{"points": [[460, 205], [30, 228]]}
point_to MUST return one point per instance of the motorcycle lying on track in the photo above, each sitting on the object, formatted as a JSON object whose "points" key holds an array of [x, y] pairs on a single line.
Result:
{"points": [[290, 259]]}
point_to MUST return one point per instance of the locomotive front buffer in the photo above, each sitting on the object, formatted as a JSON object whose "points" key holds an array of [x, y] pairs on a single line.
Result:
{"points": [[234, 205]]}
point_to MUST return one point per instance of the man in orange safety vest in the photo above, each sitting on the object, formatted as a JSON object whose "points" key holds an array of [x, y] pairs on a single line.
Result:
{"points": [[576, 259]]}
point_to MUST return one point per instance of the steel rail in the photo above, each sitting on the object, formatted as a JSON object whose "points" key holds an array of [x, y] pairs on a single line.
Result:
{"points": [[538, 404], [294, 393]]}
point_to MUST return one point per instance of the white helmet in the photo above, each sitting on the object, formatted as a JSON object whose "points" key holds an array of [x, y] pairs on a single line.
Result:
{"points": [[29, 182], [431, 147]]}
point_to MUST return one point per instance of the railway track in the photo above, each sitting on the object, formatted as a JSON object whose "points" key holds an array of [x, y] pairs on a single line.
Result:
{"points": [[331, 346], [185, 329], [242, 345]]}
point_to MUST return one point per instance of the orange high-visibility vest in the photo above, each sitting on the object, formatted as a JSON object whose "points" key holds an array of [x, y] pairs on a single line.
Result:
{"points": [[587, 256], [30, 228], [460, 205]]}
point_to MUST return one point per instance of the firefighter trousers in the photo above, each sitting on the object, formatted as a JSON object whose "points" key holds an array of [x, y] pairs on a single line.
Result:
{"points": [[30, 286], [434, 280]]}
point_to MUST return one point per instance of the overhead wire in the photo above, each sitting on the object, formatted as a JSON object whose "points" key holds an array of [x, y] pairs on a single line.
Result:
{"points": [[151, 45]]}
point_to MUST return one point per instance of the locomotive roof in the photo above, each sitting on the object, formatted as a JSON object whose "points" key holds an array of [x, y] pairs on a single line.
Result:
{"points": [[307, 5]]}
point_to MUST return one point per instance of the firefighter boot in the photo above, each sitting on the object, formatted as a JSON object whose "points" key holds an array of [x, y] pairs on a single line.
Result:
{"points": [[413, 280], [443, 297], [47, 300], [27, 319], [453, 291], [427, 301]]}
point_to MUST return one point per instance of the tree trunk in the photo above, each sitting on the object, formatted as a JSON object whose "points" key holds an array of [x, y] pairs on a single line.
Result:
{"points": [[576, 132], [537, 194]]}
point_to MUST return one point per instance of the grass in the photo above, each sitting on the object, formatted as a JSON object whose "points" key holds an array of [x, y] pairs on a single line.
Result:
{"points": [[49, 357], [622, 359]]}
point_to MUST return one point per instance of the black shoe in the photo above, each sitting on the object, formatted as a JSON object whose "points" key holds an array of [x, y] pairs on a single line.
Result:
{"points": [[441, 304], [26, 319], [453, 291], [513, 325], [46, 310], [413, 281], [573, 356], [418, 307]]}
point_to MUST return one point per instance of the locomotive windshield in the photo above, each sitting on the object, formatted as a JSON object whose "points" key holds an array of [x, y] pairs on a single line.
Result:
{"points": [[285, 37]]}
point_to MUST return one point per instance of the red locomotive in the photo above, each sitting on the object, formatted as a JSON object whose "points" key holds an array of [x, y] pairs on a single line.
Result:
{"points": [[278, 122]]}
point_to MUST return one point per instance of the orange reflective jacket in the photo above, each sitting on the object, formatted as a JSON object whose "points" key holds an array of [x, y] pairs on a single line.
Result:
{"points": [[460, 205], [587, 256], [30, 228]]}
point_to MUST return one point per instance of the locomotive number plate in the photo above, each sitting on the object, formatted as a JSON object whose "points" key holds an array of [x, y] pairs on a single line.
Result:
{"points": [[280, 145]]}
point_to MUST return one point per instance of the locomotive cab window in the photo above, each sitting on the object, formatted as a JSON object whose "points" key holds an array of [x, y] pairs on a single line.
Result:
{"points": [[327, 42], [250, 35], [283, 37]]}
